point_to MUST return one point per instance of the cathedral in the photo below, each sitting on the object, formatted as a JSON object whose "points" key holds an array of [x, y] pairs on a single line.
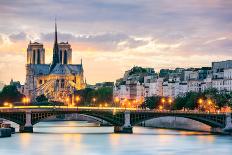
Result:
{"points": [[58, 80]]}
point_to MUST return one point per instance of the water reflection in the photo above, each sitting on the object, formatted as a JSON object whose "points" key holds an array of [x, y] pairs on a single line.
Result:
{"points": [[72, 138]]}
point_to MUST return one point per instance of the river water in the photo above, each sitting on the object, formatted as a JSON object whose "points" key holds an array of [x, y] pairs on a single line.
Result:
{"points": [[80, 138]]}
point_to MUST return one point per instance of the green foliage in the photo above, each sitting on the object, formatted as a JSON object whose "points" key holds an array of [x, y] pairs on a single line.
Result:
{"points": [[41, 98], [10, 94], [151, 102], [190, 99], [102, 95], [179, 103], [137, 70]]}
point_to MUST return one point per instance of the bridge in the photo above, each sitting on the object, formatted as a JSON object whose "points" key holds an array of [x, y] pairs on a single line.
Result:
{"points": [[122, 119]]}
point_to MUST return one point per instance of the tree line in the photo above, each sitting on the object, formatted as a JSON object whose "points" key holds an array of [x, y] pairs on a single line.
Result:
{"points": [[208, 100]]}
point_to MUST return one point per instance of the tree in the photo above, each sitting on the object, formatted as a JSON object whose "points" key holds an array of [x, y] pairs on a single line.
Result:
{"points": [[102, 95], [10, 94], [151, 102], [191, 100], [179, 103], [41, 98]]}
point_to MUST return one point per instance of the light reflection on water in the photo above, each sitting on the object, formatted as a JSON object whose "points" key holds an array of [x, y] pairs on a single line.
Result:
{"points": [[72, 138]]}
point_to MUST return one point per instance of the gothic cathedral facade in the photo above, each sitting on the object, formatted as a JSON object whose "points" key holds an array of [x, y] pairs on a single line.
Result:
{"points": [[57, 80]]}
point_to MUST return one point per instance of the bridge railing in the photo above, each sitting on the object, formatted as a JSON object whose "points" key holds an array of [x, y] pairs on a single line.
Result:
{"points": [[114, 109]]}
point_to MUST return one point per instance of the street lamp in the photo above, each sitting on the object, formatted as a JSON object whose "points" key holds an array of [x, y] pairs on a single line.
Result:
{"points": [[6, 104], [163, 101], [106, 105], [26, 100], [160, 107], [116, 100], [67, 101], [200, 101], [77, 99], [94, 100]]}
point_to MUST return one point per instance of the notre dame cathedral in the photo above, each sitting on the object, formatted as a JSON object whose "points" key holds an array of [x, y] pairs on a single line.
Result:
{"points": [[57, 80]]}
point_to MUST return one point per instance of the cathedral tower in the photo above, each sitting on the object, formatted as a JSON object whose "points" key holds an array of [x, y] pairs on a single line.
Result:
{"points": [[35, 53], [65, 53]]}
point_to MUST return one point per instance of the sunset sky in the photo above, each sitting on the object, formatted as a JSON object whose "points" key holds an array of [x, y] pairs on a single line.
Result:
{"points": [[112, 36]]}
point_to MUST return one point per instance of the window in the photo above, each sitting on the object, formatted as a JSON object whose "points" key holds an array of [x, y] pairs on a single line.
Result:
{"points": [[65, 57], [38, 56], [60, 56], [62, 83], [33, 59]]}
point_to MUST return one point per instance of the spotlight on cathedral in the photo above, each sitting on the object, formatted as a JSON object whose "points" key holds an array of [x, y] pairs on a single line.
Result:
{"points": [[57, 80]]}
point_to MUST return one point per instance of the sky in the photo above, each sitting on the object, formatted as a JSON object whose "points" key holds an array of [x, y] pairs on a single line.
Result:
{"points": [[112, 36]]}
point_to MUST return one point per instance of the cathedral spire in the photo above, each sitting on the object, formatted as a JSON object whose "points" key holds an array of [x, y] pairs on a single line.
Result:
{"points": [[55, 59], [55, 42]]}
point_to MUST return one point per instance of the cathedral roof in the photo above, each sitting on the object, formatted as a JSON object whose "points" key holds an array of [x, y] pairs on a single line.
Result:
{"points": [[64, 69], [40, 69]]}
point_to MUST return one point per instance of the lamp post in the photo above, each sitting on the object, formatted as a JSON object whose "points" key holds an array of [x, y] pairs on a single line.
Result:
{"points": [[67, 101], [200, 101], [170, 103], [25, 100], [94, 100], [116, 101], [77, 99], [163, 101]]}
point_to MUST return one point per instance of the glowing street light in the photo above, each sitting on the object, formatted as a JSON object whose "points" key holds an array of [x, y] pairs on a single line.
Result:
{"points": [[209, 101], [160, 107], [116, 99], [94, 99], [163, 100], [200, 101], [26, 100], [170, 101], [6, 104], [78, 98]]}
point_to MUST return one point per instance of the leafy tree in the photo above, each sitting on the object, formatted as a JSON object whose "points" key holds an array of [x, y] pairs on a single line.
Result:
{"points": [[104, 94], [10, 94], [191, 100], [151, 102], [41, 98], [179, 103]]}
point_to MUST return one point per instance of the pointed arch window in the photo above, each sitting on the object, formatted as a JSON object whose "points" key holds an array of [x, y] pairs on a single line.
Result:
{"points": [[38, 57], [33, 60], [65, 57], [60, 54]]}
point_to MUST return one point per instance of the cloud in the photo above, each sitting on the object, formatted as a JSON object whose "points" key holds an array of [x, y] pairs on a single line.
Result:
{"points": [[1, 40], [18, 37], [104, 41], [153, 33]]}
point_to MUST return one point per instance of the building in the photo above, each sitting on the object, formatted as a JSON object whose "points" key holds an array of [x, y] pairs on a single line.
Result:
{"points": [[57, 80], [138, 82]]}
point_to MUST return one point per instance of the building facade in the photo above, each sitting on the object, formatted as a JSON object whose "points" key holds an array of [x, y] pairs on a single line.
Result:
{"points": [[57, 80], [173, 83]]}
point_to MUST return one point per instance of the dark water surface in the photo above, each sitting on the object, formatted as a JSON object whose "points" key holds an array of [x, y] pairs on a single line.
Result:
{"points": [[79, 138]]}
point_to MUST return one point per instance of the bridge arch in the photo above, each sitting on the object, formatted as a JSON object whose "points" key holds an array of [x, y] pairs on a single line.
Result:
{"points": [[108, 117], [18, 118], [212, 121]]}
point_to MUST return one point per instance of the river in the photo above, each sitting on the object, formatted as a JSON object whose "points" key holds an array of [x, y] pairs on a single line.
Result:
{"points": [[80, 138]]}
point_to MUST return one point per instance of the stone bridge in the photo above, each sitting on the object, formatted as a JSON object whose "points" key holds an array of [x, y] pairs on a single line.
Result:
{"points": [[122, 120]]}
